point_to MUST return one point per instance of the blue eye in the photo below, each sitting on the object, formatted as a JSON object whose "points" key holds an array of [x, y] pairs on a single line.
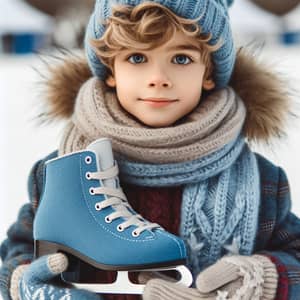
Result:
{"points": [[136, 58], [182, 59]]}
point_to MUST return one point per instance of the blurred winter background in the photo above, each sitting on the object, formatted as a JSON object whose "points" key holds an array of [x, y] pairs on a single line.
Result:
{"points": [[39, 25]]}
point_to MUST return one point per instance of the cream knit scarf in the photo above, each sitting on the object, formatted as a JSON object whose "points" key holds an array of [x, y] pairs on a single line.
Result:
{"points": [[213, 124]]}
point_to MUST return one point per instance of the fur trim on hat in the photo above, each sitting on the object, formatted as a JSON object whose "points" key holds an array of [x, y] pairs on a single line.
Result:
{"points": [[265, 95]]}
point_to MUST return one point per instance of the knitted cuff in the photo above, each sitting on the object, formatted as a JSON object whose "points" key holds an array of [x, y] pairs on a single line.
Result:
{"points": [[270, 277], [14, 281]]}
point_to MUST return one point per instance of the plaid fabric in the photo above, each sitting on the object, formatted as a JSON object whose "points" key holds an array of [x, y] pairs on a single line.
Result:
{"points": [[278, 235]]}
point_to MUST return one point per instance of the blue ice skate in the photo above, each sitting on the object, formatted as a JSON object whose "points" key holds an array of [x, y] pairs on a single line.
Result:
{"points": [[84, 213]]}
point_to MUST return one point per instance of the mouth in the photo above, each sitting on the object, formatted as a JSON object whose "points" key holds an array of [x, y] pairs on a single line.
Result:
{"points": [[158, 102], [158, 99]]}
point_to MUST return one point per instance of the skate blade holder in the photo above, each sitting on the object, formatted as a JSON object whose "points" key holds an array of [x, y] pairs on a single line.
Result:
{"points": [[123, 285]]}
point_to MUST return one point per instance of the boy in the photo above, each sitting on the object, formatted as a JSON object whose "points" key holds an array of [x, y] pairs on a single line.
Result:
{"points": [[199, 178]]}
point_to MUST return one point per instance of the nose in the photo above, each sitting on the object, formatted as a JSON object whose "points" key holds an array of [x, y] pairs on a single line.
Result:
{"points": [[159, 79]]}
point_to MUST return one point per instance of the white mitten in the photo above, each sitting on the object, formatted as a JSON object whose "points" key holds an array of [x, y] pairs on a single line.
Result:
{"points": [[231, 278], [240, 278]]}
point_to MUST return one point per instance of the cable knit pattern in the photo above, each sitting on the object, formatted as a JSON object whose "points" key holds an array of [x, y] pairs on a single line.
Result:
{"points": [[220, 200]]}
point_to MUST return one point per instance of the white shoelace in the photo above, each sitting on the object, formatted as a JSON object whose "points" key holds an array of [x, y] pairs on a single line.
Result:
{"points": [[117, 199]]}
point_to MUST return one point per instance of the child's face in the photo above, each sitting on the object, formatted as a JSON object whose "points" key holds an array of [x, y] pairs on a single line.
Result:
{"points": [[162, 85]]}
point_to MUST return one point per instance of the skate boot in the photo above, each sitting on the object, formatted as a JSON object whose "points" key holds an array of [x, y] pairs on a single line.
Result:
{"points": [[84, 213]]}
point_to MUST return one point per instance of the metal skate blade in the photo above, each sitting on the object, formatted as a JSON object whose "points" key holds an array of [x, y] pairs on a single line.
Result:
{"points": [[123, 285], [186, 277]]}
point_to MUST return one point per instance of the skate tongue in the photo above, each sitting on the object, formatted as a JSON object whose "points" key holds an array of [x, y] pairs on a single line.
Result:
{"points": [[103, 150]]}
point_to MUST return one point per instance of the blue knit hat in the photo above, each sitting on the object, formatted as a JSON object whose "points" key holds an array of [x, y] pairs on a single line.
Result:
{"points": [[214, 20]]}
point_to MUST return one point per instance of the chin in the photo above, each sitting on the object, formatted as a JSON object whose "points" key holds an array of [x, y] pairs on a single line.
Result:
{"points": [[157, 124]]}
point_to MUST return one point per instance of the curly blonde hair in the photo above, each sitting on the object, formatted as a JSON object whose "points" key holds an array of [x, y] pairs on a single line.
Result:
{"points": [[145, 27]]}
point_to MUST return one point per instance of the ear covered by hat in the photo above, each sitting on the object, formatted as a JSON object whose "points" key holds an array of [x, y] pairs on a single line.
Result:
{"points": [[214, 20]]}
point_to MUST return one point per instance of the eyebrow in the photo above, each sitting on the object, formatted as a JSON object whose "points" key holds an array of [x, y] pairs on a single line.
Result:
{"points": [[184, 47]]}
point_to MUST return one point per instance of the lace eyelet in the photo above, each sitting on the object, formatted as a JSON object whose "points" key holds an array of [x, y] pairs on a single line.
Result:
{"points": [[107, 219], [88, 160], [120, 228], [98, 206], [92, 191], [135, 234], [88, 175]]}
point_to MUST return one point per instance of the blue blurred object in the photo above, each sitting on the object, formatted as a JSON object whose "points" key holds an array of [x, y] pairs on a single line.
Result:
{"points": [[290, 37], [23, 42]]}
